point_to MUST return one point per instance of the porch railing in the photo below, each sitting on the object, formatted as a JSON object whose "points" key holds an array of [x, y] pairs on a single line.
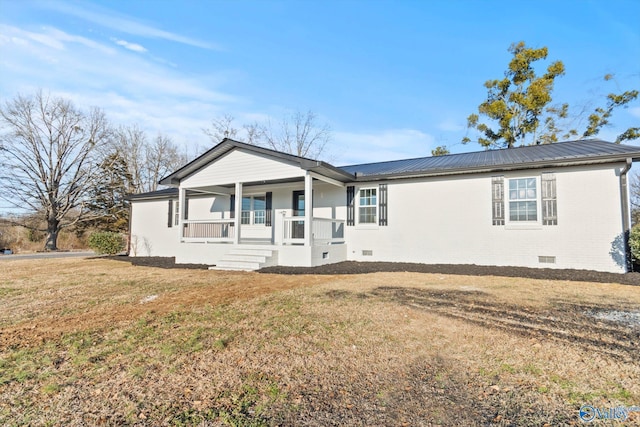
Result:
{"points": [[327, 231], [215, 229], [323, 230]]}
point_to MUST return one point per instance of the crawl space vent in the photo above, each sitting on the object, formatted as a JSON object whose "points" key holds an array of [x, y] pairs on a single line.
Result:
{"points": [[367, 252], [546, 259]]}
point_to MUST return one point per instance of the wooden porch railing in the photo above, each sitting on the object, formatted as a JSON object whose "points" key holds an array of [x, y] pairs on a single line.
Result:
{"points": [[323, 230], [218, 229]]}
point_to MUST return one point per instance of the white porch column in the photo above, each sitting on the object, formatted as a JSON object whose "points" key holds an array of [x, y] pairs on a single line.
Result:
{"points": [[308, 208], [238, 211], [182, 198]]}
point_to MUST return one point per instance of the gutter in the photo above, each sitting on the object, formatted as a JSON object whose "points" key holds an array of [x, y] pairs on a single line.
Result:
{"points": [[492, 168], [626, 220]]}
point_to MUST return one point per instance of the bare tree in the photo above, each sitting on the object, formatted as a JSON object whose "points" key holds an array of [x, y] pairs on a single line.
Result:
{"points": [[129, 144], [221, 128], [162, 157], [299, 134], [130, 164], [146, 161], [49, 155]]}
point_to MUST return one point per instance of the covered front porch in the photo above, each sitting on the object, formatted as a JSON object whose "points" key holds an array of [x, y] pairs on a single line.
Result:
{"points": [[256, 224]]}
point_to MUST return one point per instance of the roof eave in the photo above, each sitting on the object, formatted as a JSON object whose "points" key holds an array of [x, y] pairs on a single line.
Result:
{"points": [[220, 149], [502, 168]]}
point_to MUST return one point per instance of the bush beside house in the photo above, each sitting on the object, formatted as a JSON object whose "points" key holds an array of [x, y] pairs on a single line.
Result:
{"points": [[107, 243]]}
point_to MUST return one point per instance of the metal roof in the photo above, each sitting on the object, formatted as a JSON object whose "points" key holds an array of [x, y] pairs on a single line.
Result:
{"points": [[535, 156], [165, 193], [581, 152]]}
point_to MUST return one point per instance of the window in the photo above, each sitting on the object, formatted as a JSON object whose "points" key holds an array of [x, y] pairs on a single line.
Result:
{"points": [[530, 199], [176, 214], [368, 206], [523, 200], [253, 210], [259, 203]]}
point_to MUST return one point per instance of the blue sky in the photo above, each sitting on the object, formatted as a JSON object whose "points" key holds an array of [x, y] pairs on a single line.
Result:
{"points": [[393, 79]]}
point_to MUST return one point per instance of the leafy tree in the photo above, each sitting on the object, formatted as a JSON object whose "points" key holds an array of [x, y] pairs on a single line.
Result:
{"points": [[600, 117], [519, 109], [440, 150], [517, 102], [49, 155], [107, 200]]}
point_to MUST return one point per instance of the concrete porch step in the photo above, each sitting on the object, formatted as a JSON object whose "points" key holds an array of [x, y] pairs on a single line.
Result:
{"points": [[251, 251], [245, 257], [236, 265], [249, 259]]}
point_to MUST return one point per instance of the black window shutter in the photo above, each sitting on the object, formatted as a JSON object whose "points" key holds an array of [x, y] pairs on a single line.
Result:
{"points": [[497, 200], [170, 216], [351, 209], [232, 209], [267, 214], [549, 199], [186, 208], [383, 204]]}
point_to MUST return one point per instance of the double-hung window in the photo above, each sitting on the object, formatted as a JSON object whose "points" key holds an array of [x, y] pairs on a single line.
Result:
{"points": [[523, 200], [253, 210], [368, 206]]}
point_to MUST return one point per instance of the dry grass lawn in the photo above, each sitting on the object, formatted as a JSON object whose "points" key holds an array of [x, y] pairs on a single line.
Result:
{"points": [[99, 342]]}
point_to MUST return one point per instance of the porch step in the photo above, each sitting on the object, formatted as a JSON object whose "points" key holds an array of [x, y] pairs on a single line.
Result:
{"points": [[247, 259]]}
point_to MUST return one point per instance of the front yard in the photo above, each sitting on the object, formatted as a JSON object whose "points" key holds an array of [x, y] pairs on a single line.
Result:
{"points": [[90, 342]]}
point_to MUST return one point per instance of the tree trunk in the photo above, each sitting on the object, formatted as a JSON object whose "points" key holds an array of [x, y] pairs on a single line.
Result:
{"points": [[53, 227]]}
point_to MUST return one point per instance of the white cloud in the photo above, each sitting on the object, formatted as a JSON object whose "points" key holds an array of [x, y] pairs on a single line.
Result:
{"points": [[45, 40], [130, 88], [131, 46], [391, 144], [110, 19]]}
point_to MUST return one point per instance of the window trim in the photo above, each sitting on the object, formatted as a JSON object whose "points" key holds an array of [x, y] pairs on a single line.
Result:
{"points": [[252, 210], [358, 206], [511, 224]]}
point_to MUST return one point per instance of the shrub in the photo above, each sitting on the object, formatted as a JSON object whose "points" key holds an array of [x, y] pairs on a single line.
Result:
{"points": [[634, 242], [106, 243]]}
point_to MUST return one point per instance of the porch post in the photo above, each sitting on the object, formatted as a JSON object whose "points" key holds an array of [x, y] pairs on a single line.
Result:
{"points": [[308, 208], [182, 201], [238, 209]]}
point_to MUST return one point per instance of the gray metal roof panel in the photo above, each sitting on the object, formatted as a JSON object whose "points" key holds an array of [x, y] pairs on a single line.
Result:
{"points": [[570, 151], [167, 193]]}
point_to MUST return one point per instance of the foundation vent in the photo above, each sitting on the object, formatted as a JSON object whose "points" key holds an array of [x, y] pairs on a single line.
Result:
{"points": [[544, 259], [367, 252]]}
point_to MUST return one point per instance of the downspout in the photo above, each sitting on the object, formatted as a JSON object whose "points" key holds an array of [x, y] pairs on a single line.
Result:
{"points": [[626, 220]]}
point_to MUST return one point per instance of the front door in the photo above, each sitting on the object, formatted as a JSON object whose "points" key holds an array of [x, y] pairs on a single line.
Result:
{"points": [[297, 227]]}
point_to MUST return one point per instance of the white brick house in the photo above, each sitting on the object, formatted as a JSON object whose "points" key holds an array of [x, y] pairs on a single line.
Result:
{"points": [[562, 205]]}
